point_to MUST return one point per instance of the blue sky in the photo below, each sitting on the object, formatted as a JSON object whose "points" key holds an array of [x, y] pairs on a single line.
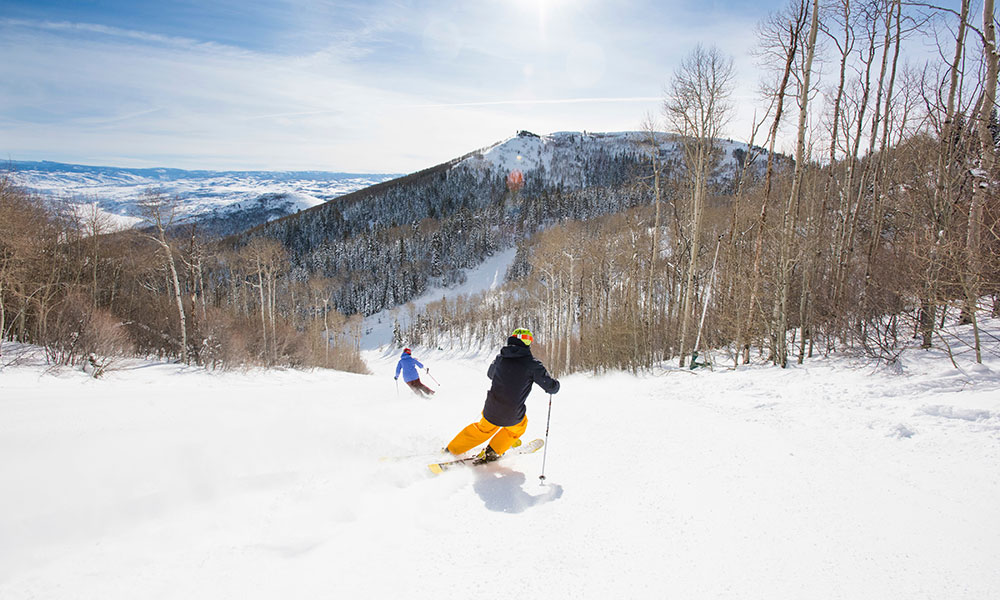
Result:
{"points": [[363, 86]]}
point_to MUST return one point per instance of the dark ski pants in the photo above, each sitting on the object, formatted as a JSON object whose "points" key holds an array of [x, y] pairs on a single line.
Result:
{"points": [[417, 386]]}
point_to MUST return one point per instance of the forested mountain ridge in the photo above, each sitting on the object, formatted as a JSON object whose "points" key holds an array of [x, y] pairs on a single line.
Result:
{"points": [[385, 244]]}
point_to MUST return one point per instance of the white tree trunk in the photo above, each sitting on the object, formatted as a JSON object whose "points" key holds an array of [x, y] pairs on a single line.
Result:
{"points": [[178, 299], [791, 208]]}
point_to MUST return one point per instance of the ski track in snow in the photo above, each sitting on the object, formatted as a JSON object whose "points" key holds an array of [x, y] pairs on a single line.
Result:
{"points": [[835, 479]]}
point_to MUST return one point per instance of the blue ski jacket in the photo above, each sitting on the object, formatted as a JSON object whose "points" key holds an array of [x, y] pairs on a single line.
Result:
{"points": [[513, 372], [409, 365]]}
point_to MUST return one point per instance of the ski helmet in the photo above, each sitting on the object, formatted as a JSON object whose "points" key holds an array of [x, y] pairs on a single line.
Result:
{"points": [[524, 335], [406, 351]]}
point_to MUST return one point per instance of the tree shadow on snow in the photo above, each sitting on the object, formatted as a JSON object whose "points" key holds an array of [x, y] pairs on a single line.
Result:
{"points": [[502, 490]]}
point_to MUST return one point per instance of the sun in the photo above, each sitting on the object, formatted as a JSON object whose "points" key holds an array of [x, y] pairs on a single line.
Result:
{"points": [[543, 9]]}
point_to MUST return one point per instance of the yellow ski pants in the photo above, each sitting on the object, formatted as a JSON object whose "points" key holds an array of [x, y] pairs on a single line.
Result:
{"points": [[477, 433]]}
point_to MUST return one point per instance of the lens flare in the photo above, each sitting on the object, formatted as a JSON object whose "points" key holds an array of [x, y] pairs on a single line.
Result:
{"points": [[515, 180]]}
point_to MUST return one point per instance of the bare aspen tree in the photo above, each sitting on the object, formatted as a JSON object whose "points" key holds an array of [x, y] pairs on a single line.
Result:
{"points": [[159, 213], [697, 107], [653, 148], [96, 224], [780, 38], [12, 242], [787, 254], [195, 262], [783, 32], [708, 298], [319, 292], [852, 107], [571, 302], [264, 259], [892, 41], [844, 39], [737, 234], [845, 47], [942, 203], [984, 174], [857, 108], [855, 176], [254, 260], [810, 257]]}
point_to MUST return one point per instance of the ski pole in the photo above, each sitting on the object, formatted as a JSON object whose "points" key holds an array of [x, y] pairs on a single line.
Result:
{"points": [[428, 371], [397, 388], [545, 454]]}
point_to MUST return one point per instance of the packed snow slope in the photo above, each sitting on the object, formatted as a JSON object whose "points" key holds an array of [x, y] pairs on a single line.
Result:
{"points": [[487, 276], [836, 479]]}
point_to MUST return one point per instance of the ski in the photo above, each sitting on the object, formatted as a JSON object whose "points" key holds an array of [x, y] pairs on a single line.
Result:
{"points": [[532, 446]]}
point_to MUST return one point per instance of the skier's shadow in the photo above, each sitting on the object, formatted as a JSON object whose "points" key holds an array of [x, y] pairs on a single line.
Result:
{"points": [[502, 490]]}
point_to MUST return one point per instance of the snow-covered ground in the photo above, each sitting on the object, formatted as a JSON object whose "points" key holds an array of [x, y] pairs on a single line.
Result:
{"points": [[116, 191], [837, 479]]}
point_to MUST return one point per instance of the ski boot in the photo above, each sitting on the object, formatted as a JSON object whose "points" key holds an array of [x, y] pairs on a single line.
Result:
{"points": [[486, 456]]}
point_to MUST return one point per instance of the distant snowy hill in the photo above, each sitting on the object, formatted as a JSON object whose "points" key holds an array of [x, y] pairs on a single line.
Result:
{"points": [[391, 242], [223, 201]]}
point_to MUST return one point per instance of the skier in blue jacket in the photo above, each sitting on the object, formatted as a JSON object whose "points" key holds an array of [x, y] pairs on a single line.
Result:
{"points": [[408, 365]]}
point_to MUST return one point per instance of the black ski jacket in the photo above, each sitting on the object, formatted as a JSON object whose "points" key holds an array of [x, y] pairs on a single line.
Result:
{"points": [[513, 372]]}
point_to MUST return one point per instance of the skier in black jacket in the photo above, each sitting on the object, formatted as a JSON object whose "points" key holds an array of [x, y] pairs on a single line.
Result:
{"points": [[513, 372]]}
